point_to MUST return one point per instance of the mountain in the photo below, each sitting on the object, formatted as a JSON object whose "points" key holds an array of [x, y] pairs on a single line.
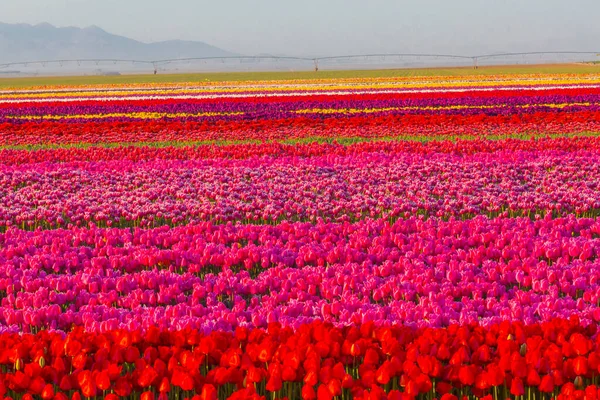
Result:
{"points": [[24, 42]]}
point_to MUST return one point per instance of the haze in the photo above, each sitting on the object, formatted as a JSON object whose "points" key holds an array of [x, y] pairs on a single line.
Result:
{"points": [[317, 28]]}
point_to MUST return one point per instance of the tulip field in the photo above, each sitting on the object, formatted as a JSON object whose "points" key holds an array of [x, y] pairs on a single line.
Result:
{"points": [[411, 238]]}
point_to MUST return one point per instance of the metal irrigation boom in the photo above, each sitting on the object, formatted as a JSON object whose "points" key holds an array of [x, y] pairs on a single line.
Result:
{"points": [[315, 60]]}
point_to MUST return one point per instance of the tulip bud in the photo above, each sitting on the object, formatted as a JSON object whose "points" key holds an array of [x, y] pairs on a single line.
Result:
{"points": [[355, 350], [523, 349], [42, 362], [578, 383], [18, 364]]}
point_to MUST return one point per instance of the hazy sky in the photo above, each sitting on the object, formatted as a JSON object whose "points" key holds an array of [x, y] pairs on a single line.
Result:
{"points": [[327, 27]]}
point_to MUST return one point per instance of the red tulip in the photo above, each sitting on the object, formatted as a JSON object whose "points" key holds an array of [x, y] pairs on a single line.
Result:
{"points": [[466, 375], [516, 387], [233, 358], [367, 377], [220, 376], [164, 386], [322, 349], [371, 357], [546, 385], [383, 374], [323, 393], [148, 396], [412, 389], [580, 365], [274, 383], [80, 361], [209, 392], [442, 387], [495, 375], [557, 377], [482, 381], [182, 379], [355, 350], [461, 356], [443, 352], [48, 392], [579, 395], [424, 383], [103, 380], [591, 392], [308, 392], [132, 354], [288, 374], [254, 375], [65, 384], [335, 387], [147, 376], [241, 394], [122, 387], [347, 382], [397, 395], [338, 371], [325, 374], [581, 345], [448, 396], [87, 383], [568, 389], [377, 393], [21, 380], [72, 347], [59, 364], [265, 354], [187, 360], [519, 366], [533, 378], [311, 378]]}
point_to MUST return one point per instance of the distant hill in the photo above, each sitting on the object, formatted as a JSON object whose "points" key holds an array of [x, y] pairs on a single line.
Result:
{"points": [[24, 42]]}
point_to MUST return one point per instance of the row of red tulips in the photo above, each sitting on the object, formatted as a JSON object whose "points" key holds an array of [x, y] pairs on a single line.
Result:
{"points": [[369, 126], [315, 148], [560, 359]]}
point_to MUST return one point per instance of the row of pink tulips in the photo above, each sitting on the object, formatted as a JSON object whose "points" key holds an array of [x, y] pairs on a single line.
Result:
{"points": [[331, 188], [423, 273]]}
